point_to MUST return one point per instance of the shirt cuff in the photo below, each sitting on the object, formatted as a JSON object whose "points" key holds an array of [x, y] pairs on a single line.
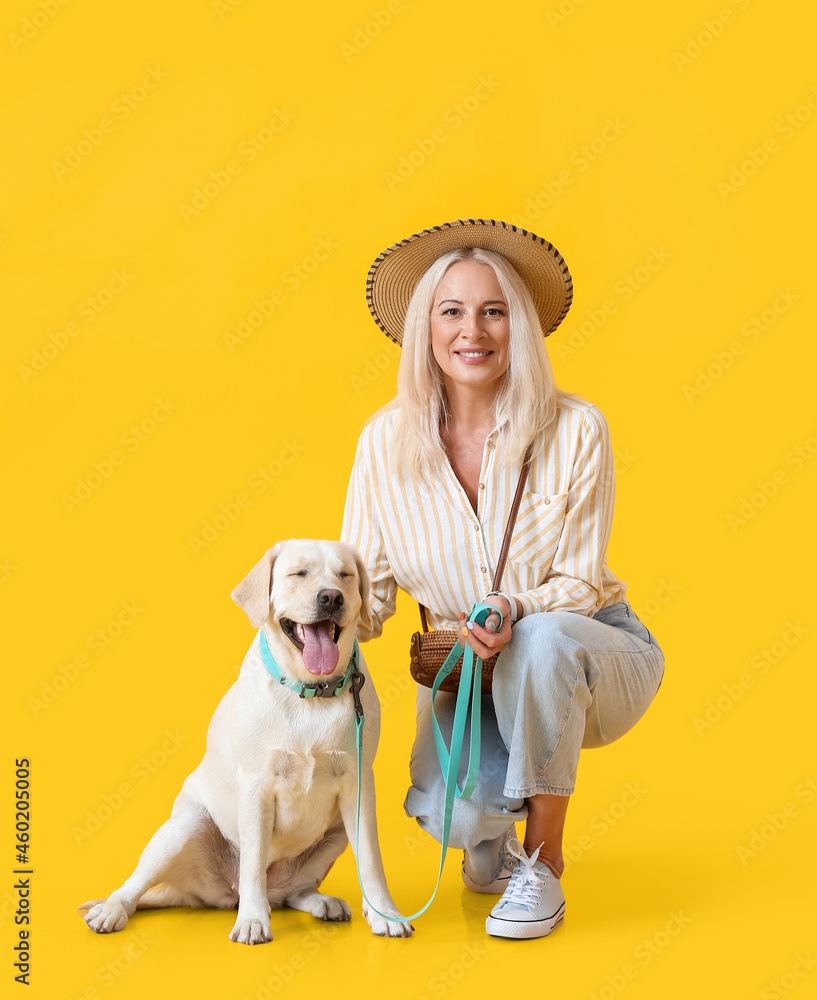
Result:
{"points": [[511, 603]]}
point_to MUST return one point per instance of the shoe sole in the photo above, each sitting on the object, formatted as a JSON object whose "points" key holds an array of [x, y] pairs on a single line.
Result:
{"points": [[523, 929]]}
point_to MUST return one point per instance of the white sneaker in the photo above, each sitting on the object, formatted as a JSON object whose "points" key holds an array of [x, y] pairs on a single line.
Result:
{"points": [[533, 903], [500, 883]]}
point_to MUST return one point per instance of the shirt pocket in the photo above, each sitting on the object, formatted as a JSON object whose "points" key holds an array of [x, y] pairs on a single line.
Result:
{"points": [[538, 528]]}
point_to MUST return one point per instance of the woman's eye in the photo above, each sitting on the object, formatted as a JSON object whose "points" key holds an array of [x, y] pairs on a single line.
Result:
{"points": [[492, 311]]}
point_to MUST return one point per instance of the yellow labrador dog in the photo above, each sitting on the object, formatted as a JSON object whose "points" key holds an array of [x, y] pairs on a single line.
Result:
{"points": [[263, 817]]}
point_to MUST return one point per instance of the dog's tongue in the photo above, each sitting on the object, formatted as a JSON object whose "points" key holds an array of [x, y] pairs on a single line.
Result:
{"points": [[320, 652]]}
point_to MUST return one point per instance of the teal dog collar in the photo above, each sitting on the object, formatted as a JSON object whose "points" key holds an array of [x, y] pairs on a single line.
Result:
{"points": [[317, 689]]}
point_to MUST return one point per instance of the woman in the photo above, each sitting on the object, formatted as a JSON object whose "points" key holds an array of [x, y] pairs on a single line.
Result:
{"points": [[428, 501]]}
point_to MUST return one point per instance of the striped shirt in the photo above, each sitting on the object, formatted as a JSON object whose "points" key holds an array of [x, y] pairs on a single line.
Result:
{"points": [[431, 543]]}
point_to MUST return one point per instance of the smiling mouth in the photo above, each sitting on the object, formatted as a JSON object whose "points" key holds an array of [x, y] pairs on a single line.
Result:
{"points": [[473, 354], [316, 641], [296, 631]]}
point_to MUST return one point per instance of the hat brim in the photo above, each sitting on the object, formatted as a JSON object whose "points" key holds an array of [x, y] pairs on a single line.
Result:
{"points": [[394, 274]]}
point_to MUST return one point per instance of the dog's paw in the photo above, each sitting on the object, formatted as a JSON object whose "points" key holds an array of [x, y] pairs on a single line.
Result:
{"points": [[390, 928], [103, 916], [330, 908], [251, 930], [318, 904], [387, 928]]}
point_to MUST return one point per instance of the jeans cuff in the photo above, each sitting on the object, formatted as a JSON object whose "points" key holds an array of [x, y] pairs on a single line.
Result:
{"points": [[526, 793]]}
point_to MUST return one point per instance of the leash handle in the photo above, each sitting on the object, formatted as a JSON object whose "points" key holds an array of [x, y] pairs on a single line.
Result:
{"points": [[470, 688]]}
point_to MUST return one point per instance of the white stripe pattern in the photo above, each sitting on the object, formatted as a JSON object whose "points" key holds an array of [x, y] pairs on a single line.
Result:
{"points": [[429, 541]]}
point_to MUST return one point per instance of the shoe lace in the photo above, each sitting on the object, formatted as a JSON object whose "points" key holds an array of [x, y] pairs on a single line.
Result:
{"points": [[525, 885]]}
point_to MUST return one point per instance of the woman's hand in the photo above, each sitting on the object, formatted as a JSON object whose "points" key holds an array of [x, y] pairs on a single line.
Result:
{"points": [[487, 641]]}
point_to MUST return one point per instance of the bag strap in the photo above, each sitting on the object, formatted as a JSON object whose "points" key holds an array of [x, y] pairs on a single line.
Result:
{"points": [[506, 540]]}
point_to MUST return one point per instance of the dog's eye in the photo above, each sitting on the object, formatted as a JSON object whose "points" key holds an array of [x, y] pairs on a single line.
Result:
{"points": [[301, 572], [343, 575]]}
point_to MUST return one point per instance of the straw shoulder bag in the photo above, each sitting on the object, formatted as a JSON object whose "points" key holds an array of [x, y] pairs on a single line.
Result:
{"points": [[430, 649]]}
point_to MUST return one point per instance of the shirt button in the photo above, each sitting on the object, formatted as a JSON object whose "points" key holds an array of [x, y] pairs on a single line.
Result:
{"points": [[476, 527], [547, 499], [484, 569], [482, 486]]}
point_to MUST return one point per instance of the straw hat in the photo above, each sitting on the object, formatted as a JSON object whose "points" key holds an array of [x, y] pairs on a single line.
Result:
{"points": [[394, 274]]}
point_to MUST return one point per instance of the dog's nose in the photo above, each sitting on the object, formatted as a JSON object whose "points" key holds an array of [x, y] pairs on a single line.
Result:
{"points": [[330, 601]]}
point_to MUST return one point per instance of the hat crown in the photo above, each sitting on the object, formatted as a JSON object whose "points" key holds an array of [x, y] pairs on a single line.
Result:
{"points": [[395, 272]]}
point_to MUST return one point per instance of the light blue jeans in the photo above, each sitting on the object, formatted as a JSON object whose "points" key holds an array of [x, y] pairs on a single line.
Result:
{"points": [[565, 681]]}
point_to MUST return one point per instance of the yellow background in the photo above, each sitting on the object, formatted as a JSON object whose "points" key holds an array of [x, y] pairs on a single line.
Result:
{"points": [[534, 86]]}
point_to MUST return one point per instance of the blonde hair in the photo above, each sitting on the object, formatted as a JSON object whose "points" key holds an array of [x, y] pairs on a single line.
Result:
{"points": [[526, 401]]}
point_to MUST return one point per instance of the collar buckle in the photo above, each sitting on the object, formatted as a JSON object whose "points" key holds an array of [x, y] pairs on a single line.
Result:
{"points": [[318, 689]]}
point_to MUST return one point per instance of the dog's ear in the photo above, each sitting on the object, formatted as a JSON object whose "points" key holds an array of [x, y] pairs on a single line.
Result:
{"points": [[363, 584], [252, 595]]}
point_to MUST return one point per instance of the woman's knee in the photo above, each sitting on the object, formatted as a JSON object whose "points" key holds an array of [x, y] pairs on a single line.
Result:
{"points": [[553, 628], [482, 817], [546, 648], [486, 811]]}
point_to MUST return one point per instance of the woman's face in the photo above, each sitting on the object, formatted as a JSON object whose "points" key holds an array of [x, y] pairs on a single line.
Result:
{"points": [[470, 329]]}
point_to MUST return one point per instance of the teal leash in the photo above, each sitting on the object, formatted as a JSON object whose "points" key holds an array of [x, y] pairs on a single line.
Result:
{"points": [[470, 688]]}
